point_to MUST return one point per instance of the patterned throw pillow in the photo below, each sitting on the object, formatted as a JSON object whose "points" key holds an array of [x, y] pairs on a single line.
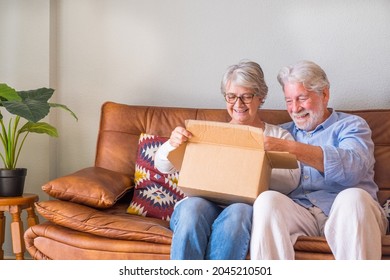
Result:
{"points": [[386, 207], [155, 193]]}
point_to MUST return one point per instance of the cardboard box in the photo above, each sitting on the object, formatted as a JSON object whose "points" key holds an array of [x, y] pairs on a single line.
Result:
{"points": [[226, 163]]}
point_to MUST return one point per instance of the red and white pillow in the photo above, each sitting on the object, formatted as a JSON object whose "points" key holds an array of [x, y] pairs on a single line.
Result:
{"points": [[155, 193]]}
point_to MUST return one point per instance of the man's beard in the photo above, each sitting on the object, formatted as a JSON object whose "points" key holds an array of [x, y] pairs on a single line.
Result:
{"points": [[313, 120]]}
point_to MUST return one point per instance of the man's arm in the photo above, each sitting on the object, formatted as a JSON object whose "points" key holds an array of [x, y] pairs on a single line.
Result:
{"points": [[308, 154]]}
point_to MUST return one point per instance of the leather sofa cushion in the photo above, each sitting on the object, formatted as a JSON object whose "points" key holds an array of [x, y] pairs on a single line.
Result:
{"points": [[93, 186], [110, 223]]}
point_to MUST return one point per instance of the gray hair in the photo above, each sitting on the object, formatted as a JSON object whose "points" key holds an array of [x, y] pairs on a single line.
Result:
{"points": [[312, 76], [246, 74]]}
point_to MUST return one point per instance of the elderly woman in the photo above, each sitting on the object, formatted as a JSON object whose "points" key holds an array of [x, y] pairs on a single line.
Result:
{"points": [[201, 228]]}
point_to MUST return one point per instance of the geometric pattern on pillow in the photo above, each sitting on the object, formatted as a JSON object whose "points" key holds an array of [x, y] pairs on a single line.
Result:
{"points": [[386, 207], [155, 193]]}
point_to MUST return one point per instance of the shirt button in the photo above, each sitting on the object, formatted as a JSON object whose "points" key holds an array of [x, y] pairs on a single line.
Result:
{"points": [[305, 177]]}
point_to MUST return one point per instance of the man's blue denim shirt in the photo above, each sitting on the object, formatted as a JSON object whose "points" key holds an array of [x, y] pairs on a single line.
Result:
{"points": [[348, 160]]}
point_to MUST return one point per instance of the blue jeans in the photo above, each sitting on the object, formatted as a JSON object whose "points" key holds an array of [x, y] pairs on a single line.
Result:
{"points": [[205, 230]]}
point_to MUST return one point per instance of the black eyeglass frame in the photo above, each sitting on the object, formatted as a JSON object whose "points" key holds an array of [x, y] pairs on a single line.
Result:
{"points": [[249, 97]]}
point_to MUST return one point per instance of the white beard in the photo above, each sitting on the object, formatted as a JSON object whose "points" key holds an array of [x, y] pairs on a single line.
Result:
{"points": [[314, 119]]}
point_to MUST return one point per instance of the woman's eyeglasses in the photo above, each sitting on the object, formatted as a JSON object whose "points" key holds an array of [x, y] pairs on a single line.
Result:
{"points": [[246, 98]]}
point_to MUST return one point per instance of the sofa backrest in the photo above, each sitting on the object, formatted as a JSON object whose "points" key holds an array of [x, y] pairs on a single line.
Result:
{"points": [[121, 126]]}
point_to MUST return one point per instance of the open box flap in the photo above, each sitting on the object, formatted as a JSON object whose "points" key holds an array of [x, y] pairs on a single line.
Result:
{"points": [[282, 160], [176, 156], [227, 134]]}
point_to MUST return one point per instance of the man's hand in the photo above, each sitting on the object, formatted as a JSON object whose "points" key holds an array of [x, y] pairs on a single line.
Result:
{"points": [[275, 144], [308, 154]]}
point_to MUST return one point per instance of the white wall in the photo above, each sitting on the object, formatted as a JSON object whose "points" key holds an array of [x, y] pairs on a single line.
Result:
{"points": [[24, 64], [174, 53]]}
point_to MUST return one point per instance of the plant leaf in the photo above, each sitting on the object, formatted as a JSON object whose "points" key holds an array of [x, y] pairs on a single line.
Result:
{"points": [[8, 93], [40, 94], [56, 105], [33, 106], [39, 127]]}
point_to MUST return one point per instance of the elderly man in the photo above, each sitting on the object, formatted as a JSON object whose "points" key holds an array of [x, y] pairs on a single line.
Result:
{"points": [[336, 196]]}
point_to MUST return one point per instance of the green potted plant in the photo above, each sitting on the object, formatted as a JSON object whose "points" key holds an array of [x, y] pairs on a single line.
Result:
{"points": [[27, 109]]}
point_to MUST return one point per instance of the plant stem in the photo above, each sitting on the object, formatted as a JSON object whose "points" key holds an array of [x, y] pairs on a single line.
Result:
{"points": [[4, 141]]}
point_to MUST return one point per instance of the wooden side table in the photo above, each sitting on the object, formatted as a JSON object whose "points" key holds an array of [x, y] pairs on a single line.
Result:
{"points": [[15, 205]]}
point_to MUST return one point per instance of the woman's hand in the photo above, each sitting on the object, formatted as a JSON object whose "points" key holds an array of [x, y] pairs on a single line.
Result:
{"points": [[178, 136]]}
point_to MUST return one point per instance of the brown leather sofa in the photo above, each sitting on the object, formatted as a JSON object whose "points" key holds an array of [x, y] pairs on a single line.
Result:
{"points": [[88, 220]]}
